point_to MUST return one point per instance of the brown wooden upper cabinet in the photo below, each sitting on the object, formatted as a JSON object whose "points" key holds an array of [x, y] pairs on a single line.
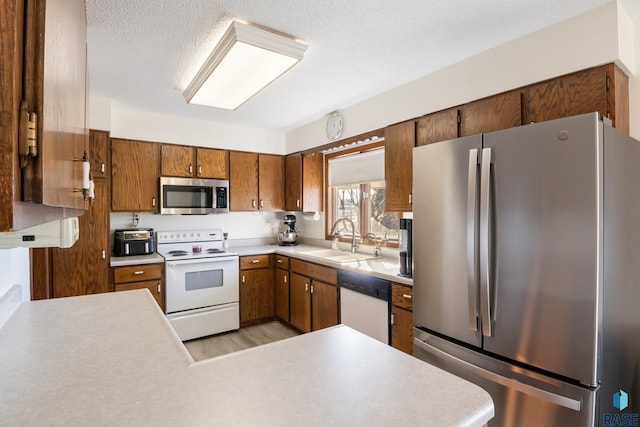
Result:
{"points": [[304, 182], [44, 64], [256, 181], [489, 114], [186, 161], [603, 89], [135, 168], [439, 126], [399, 141]]}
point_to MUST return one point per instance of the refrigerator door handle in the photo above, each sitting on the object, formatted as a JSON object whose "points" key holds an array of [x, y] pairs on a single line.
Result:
{"points": [[472, 209], [485, 244], [556, 399]]}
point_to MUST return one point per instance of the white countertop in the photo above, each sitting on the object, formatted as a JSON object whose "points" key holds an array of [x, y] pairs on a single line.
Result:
{"points": [[121, 261], [383, 267], [113, 359]]}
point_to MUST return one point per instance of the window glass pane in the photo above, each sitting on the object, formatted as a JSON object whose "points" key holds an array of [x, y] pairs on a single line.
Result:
{"points": [[347, 205], [381, 222]]}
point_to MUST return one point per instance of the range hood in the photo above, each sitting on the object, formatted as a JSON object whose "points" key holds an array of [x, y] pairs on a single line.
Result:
{"points": [[61, 233]]}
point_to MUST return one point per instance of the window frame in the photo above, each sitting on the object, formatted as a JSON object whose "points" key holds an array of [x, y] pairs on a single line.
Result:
{"points": [[330, 195]]}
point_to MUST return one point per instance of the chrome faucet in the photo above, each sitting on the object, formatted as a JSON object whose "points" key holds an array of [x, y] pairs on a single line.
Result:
{"points": [[354, 247], [376, 244]]}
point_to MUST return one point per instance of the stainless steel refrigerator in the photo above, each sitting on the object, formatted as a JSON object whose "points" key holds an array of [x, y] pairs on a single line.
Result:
{"points": [[527, 269]]}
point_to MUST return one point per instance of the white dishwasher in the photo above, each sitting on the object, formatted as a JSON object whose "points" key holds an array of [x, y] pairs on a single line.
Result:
{"points": [[364, 304]]}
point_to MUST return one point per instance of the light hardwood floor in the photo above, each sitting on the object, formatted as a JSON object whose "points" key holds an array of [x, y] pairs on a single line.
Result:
{"points": [[217, 345]]}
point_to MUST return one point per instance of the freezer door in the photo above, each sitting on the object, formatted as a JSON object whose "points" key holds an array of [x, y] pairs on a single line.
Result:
{"points": [[545, 259], [445, 198], [521, 398]]}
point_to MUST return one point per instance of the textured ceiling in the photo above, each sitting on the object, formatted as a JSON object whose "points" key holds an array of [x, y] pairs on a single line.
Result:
{"points": [[142, 53]]}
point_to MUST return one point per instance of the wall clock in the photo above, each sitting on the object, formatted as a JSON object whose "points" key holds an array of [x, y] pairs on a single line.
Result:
{"points": [[334, 125]]}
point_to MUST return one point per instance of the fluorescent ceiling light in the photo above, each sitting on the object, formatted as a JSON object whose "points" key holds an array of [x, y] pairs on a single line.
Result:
{"points": [[244, 62]]}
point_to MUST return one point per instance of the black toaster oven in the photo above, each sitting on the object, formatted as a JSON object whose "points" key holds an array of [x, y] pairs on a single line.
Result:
{"points": [[134, 241]]}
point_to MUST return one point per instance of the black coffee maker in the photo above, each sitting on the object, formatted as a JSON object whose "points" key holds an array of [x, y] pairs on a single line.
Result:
{"points": [[405, 243]]}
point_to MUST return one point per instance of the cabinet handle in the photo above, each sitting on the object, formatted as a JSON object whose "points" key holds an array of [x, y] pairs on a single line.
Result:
{"points": [[153, 202], [159, 291], [279, 261], [104, 254], [262, 203], [306, 287], [190, 168], [255, 261], [243, 278], [410, 198], [199, 169], [253, 203], [298, 203], [285, 279], [102, 167], [393, 319], [311, 288], [407, 296], [138, 272]]}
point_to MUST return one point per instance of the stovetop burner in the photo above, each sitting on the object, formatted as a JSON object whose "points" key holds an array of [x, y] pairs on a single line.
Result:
{"points": [[177, 253], [215, 251]]}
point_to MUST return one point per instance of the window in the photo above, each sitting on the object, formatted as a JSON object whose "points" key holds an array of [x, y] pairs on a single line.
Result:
{"points": [[356, 191]]}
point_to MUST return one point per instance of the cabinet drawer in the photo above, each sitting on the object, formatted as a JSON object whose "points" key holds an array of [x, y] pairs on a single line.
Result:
{"points": [[402, 296], [137, 273], [254, 261], [315, 271], [282, 262]]}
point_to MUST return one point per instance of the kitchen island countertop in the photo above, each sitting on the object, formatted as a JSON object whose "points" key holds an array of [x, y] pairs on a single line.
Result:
{"points": [[113, 359]]}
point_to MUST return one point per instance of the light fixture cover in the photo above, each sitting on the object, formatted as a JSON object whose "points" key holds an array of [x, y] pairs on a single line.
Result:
{"points": [[245, 61]]}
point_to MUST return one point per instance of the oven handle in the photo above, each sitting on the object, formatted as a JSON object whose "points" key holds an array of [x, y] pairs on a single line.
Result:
{"points": [[202, 260]]}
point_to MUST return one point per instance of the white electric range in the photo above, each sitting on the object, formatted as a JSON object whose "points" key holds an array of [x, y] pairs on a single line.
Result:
{"points": [[201, 281]]}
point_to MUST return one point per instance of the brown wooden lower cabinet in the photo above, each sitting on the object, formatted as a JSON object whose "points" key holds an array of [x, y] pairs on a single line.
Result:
{"points": [[142, 276], [314, 296], [402, 317], [256, 288], [282, 288]]}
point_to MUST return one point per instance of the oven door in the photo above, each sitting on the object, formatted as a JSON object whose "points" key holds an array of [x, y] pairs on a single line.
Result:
{"points": [[202, 282]]}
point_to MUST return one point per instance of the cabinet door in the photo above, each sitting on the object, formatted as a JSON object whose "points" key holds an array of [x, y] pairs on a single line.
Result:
{"points": [[300, 302], [84, 268], [293, 182], [256, 294], [282, 294], [99, 153], [436, 127], [134, 175], [212, 163], [177, 160], [489, 114], [324, 305], [540, 102], [312, 182], [154, 286], [271, 186], [243, 181], [398, 166], [55, 88], [583, 92], [402, 329]]}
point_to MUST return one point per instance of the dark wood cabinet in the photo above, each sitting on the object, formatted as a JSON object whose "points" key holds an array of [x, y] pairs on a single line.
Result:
{"points": [[314, 296], [256, 181], [439, 126], [402, 317], [304, 182], [135, 170], [489, 114], [399, 141], [142, 276], [256, 288], [43, 47], [187, 161], [282, 287]]}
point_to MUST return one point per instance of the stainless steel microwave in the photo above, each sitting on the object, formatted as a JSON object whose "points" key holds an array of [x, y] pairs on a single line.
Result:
{"points": [[193, 196]]}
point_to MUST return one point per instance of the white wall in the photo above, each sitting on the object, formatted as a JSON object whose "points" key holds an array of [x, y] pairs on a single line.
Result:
{"points": [[588, 40], [14, 265]]}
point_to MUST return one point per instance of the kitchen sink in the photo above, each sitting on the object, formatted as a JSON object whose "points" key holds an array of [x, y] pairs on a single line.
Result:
{"points": [[337, 255]]}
